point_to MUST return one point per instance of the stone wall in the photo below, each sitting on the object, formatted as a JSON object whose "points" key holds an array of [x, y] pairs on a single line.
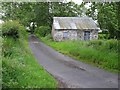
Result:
{"points": [[58, 36], [94, 35], [65, 35], [80, 34], [72, 34], [61, 35]]}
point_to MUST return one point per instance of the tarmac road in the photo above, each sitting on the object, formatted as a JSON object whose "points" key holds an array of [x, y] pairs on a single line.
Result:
{"points": [[69, 72]]}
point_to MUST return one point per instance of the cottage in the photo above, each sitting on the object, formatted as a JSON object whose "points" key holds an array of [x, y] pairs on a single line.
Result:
{"points": [[74, 28]]}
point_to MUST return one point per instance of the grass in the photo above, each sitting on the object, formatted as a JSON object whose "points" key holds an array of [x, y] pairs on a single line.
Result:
{"points": [[100, 53], [0, 62], [20, 69]]}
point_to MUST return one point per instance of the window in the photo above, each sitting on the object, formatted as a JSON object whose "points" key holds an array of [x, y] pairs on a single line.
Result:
{"points": [[65, 34]]}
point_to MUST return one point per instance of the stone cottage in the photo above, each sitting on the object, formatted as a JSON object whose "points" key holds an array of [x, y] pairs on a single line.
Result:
{"points": [[74, 28]]}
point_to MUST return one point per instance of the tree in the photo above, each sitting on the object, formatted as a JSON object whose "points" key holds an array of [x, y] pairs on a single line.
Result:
{"points": [[22, 12], [39, 13], [107, 17]]}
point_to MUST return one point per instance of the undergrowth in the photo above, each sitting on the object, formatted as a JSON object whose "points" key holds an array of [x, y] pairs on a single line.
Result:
{"points": [[19, 67], [101, 53]]}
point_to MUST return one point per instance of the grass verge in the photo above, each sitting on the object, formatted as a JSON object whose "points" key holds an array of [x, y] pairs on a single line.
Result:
{"points": [[100, 53], [20, 69]]}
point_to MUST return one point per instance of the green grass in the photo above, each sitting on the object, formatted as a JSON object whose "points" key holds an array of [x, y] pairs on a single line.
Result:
{"points": [[100, 53], [0, 62], [20, 69]]}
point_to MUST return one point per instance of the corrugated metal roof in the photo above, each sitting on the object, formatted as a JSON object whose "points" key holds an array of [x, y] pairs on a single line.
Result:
{"points": [[74, 23]]}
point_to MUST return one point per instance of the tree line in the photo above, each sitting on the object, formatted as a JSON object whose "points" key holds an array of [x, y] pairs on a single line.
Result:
{"points": [[41, 14]]}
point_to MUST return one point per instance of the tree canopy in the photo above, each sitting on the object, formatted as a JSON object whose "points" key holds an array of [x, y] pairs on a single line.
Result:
{"points": [[107, 15], [41, 13]]}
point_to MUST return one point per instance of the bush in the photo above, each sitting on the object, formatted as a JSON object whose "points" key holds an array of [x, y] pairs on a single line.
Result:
{"points": [[95, 43], [109, 45], [42, 31], [103, 36], [11, 32], [112, 45], [13, 29], [49, 37]]}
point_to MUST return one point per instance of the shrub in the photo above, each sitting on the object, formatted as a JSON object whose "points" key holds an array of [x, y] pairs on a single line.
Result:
{"points": [[103, 36], [42, 31], [95, 43], [49, 37], [13, 29], [112, 45], [109, 45]]}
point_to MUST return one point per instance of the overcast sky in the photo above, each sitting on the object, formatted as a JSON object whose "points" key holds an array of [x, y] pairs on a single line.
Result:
{"points": [[79, 2], [76, 1]]}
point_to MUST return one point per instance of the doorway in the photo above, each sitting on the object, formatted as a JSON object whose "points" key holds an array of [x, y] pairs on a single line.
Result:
{"points": [[86, 35]]}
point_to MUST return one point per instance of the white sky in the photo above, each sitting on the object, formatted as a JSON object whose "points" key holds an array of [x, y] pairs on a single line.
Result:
{"points": [[79, 2], [76, 1]]}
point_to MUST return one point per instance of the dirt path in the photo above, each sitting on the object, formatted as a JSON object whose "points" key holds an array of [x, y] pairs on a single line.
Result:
{"points": [[69, 72]]}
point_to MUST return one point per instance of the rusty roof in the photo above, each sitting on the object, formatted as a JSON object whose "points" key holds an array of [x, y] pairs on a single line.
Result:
{"points": [[74, 23]]}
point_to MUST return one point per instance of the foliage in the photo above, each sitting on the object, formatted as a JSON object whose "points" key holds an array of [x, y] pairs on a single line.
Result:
{"points": [[102, 53], [49, 37], [1, 39], [69, 9], [108, 45], [103, 36], [42, 31], [40, 13], [20, 69], [107, 16], [13, 29], [22, 12]]}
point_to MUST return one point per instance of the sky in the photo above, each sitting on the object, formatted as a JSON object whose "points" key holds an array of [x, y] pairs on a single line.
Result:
{"points": [[76, 1], [79, 2]]}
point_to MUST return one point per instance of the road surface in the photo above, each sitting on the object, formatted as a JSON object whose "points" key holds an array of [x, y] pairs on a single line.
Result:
{"points": [[69, 72]]}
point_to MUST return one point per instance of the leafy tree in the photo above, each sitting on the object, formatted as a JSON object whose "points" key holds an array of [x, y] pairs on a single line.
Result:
{"points": [[23, 12], [39, 13], [107, 17]]}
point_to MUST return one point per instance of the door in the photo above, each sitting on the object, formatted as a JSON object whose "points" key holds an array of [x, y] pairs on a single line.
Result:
{"points": [[86, 35], [65, 35]]}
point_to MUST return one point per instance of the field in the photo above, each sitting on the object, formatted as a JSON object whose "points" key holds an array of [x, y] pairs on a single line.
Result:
{"points": [[101, 53]]}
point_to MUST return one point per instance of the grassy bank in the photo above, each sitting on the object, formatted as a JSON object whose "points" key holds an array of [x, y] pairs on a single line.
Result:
{"points": [[21, 70], [101, 53], [1, 62]]}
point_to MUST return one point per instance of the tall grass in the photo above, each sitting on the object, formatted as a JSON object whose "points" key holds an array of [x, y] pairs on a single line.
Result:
{"points": [[21, 70], [1, 62], [19, 67], [101, 53]]}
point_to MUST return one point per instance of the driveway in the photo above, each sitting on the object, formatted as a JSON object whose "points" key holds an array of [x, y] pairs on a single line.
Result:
{"points": [[69, 72]]}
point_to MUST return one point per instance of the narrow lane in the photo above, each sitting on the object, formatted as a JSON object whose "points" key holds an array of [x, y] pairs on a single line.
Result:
{"points": [[70, 72]]}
